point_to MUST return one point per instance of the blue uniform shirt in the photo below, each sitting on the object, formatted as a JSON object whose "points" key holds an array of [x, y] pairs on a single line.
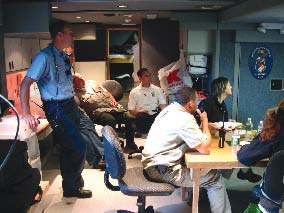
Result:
{"points": [[52, 72]]}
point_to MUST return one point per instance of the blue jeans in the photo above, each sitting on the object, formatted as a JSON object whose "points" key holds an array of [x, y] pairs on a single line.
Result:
{"points": [[64, 118], [95, 147]]}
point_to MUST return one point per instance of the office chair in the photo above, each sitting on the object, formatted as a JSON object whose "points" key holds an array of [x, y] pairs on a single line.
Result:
{"points": [[130, 181], [272, 186]]}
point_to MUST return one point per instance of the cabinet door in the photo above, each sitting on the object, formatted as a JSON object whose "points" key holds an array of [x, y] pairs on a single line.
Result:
{"points": [[26, 51], [17, 54], [35, 48], [13, 54], [8, 54]]}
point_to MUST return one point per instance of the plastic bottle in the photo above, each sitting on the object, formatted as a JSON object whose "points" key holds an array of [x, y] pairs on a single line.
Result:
{"points": [[260, 126], [249, 127], [235, 142]]}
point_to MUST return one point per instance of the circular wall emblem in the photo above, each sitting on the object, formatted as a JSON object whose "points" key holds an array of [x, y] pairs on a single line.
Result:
{"points": [[260, 62]]}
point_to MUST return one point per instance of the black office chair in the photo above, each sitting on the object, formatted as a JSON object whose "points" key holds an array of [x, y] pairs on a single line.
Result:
{"points": [[130, 181], [272, 187]]}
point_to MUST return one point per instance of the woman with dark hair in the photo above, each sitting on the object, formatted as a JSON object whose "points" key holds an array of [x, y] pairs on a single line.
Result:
{"points": [[217, 111], [214, 105]]}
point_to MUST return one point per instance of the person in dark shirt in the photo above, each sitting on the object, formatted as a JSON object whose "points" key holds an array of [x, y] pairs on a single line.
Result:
{"points": [[215, 105], [269, 141], [216, 109]]}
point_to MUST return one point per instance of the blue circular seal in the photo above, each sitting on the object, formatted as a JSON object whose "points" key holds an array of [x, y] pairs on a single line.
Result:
{"points": [[260, 62]]}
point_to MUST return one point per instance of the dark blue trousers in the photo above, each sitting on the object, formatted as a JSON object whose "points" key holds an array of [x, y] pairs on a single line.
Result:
{"points": [[144, 122], [95, 146], [64, 118]]}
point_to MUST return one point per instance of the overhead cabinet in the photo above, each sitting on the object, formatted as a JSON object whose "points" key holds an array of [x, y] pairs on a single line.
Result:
{"points": [[19, 52], [13, 54]]}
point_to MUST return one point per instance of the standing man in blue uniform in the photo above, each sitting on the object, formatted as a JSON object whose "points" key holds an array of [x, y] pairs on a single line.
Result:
{"points": [[51, 70]]}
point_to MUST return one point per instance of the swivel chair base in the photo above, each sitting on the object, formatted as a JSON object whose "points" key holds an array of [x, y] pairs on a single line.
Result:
{"points": [[141, 202]]}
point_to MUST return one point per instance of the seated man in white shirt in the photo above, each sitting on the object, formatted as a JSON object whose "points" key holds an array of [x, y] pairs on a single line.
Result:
{"points": [[145, 101], [167, 142]]}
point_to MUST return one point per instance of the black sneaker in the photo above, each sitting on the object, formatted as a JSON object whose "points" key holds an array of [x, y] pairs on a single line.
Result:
{"points": [[80, 193], [131, 146], [249, 175]]}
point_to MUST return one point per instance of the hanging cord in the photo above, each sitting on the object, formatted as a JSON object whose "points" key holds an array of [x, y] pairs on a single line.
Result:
{"points": [[16, 136]]}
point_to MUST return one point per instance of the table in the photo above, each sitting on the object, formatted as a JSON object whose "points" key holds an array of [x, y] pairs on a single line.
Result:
{"points": [[8, 126], [218, 159]]}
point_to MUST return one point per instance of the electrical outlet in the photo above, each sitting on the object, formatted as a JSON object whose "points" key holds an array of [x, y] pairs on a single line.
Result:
{"points": [[276, 84]]}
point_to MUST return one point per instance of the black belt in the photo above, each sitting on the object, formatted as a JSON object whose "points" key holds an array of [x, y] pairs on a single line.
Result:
{"points": [[57, 101]]}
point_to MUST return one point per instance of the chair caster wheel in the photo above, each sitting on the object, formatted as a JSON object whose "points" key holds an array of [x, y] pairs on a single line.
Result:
{"points": [[149, 209]]}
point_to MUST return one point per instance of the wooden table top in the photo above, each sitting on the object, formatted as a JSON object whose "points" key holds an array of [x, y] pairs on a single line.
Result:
{"points": [[219, 158]]}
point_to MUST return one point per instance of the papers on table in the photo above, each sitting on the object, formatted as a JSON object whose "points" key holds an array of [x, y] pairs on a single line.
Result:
{"points": [[242, 143], [227, 125]]}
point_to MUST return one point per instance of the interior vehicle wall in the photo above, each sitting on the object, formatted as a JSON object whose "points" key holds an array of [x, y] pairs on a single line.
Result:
{"points": [[160, 45], [227, 61], [253, 96]]}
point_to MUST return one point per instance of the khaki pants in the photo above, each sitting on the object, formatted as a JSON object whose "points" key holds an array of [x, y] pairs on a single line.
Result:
{"points": [[179, 175]]}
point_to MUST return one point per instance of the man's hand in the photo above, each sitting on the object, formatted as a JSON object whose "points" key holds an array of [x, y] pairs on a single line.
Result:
{"points": [[203, 116], [114, 103], [31, 120]]}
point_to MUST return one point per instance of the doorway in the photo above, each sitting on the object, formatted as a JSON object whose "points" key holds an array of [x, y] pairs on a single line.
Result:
{"points": [[123, 56]]}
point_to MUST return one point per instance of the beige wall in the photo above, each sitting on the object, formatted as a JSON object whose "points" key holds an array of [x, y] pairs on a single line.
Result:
{"points": [[92, 70]]}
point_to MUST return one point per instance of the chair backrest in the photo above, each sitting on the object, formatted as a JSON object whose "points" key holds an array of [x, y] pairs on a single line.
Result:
{"points": [[114, 158], [273, 185]]}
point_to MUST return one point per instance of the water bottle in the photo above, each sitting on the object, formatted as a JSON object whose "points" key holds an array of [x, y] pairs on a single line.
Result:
{"points": [[235, 142], [249, 127], [260, 126]]}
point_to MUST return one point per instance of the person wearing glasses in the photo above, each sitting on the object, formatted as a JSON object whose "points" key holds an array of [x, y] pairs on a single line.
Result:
{"points": [[51, 70]]}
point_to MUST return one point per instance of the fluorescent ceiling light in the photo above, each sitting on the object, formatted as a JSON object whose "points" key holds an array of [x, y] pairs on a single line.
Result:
{"points": [[122, 6]]}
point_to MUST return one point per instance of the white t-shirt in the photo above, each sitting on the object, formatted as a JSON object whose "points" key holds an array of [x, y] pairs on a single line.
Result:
{"points": [[146, 98], [172, 133]]}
